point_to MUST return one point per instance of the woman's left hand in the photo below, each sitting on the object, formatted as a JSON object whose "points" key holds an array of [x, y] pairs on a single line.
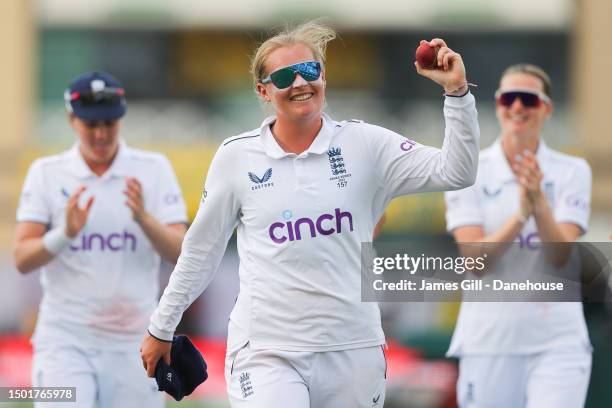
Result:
{"points": [[450, 71]]}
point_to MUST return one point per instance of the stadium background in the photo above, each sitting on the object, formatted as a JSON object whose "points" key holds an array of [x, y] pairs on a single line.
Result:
{"points": [[185, 68]]}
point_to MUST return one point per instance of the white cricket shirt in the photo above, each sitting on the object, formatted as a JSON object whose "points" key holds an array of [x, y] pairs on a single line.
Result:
{"points": [[301, 220], [101, 290], [520, 327]]}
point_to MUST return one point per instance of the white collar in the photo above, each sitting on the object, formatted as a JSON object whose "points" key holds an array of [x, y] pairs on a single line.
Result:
{"points": [[319, 145], [79, 167]]}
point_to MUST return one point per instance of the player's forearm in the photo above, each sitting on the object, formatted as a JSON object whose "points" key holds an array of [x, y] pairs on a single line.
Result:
{"points": [[452, 167], [186, 283], [548, 229], [31, 254], [165, 239], [459, 156], [551, 234]]}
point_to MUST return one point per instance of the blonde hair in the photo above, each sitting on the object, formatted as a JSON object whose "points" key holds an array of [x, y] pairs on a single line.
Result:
{"points": [[314, 34], [532, 70]]}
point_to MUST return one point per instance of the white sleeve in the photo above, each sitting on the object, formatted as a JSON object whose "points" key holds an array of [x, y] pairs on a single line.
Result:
{"points": [[169, 205], [463, 208], [203, 247], [33, 205], [574, 204], [405, 167]]}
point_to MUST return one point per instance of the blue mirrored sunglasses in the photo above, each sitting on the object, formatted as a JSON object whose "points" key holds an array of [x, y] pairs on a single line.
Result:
{"points": [[284, 77]]}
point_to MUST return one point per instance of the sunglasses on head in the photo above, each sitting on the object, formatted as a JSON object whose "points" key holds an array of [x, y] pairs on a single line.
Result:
{"points": [[107, 97], [529, 99], [284, 77]]}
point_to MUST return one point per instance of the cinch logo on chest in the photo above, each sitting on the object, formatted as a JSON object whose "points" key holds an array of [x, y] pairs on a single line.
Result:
{"points": [[325, 224], [113, 242]]}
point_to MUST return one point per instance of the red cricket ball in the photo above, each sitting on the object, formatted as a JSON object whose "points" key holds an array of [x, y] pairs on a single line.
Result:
{"points": [[426, 55]]}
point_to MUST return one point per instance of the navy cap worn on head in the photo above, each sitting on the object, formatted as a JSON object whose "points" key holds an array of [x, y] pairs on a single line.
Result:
{"points": [[186, 371], [95, 96]]}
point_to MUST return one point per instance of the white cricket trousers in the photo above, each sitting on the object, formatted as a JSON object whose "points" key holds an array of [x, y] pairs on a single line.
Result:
{"points": [[103, 379], [332, 379], [552, 379]]}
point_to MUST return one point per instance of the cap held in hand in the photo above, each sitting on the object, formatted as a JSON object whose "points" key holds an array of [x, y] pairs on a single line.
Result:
{"points": [[186, 371]]}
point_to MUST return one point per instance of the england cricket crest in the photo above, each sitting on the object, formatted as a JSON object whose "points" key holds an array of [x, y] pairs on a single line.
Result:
{"points": [[246, 386], [338, 167]]}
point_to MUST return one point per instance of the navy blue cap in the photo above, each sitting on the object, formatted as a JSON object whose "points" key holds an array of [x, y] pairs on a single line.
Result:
{"points": [[186, 371], [95, 96]]}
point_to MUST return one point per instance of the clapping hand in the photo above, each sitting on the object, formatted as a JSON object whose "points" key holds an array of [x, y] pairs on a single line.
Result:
{"points": [[135, 201], [529, 176], [76, 217]]}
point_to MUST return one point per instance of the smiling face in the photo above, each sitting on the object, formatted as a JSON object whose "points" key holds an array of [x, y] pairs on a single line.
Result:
{"points": [[99, 140], [303, 100], [518, 120]]}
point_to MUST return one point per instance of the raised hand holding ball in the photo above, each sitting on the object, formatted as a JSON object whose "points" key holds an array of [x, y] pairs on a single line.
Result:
{"points": [[447, 69]]}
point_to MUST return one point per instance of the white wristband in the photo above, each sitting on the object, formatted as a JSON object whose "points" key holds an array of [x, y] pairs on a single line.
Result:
{"points": [[56, 240]]}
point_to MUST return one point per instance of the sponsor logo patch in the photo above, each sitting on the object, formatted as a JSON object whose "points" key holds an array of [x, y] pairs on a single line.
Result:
{"points": [[262, 182], [407, 145], [114, 242], [324, 224]]}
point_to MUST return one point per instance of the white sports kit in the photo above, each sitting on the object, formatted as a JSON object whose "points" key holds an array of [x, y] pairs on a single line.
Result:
{"points": [[301, 220], [99, 292], [522, 354]]}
